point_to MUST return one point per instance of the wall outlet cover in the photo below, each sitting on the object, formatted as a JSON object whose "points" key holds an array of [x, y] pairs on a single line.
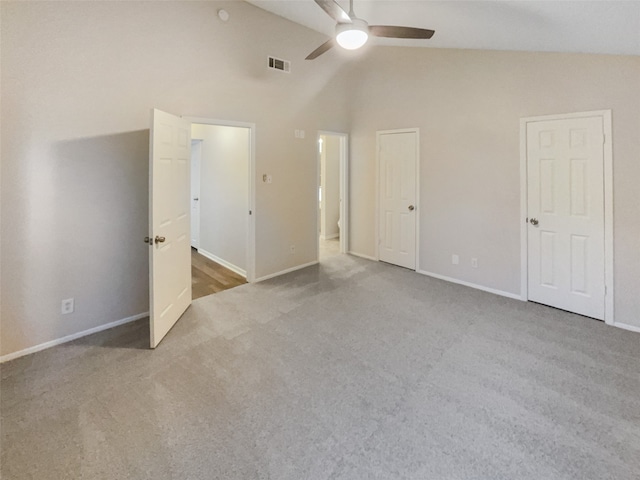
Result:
{"points": [[67, 306]]}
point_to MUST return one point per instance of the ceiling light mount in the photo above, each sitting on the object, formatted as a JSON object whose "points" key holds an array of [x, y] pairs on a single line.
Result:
{"points": [[223, 15]]}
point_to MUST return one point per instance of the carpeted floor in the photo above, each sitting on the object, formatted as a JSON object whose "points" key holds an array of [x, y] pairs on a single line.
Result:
{"points": [[348, 370]]}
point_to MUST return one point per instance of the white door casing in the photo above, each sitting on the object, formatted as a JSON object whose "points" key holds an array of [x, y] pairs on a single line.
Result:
{"points": [[344, 193], [196, 156], [251, 213], [344, 190], [398, 197], [566, 214], [169, 208]]}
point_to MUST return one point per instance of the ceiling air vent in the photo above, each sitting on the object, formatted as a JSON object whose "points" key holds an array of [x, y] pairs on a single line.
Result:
{"points": [[278, 64]]}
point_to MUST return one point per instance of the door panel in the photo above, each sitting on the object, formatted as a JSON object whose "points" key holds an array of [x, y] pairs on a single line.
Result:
{"points": [[169, 192], [565, 170], [398, 178]]}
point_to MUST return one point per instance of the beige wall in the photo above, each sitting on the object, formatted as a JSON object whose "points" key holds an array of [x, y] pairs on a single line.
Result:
{"points": [[78, 82], [467, 104], [79, 79], [224, 192]]}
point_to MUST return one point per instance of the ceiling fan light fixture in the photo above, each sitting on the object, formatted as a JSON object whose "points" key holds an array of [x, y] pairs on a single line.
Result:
{"points": [[352, 36]]}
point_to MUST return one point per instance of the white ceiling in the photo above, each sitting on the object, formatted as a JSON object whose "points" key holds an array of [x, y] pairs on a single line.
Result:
{"points": [[605, 26]]}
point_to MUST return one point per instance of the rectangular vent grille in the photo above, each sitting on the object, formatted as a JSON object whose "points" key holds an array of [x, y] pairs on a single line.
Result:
{"points": [[279, 64]]}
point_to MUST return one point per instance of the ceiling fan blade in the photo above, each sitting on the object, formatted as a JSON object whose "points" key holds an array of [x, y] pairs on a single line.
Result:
{"points": [[334, 10], [321, 49], [390, 31]]}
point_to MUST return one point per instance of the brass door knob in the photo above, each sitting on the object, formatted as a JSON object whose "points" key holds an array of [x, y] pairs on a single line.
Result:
{"points": [[534, 221], [159, 239], [411, 208]]}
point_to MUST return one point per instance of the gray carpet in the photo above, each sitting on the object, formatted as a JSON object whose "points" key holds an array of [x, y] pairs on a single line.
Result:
{"points": [[349, 370]]}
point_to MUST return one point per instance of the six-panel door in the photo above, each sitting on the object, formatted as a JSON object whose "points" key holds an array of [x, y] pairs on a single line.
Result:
{"points": [[565, 178]]}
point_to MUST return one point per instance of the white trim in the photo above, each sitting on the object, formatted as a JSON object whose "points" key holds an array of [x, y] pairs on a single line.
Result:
{"points": [[502, 293], [609, 317], [218, 121], [222, 262], [329, 237], [250, 273], [344, 195], [344, 190], [417, 206], [69, 338], [625, 326], [362, 255], [195, 141], [524, 195], [288, 270]]}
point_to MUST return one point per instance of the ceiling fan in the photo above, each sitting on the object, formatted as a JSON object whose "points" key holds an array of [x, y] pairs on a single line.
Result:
{"points": [[353, 32]]}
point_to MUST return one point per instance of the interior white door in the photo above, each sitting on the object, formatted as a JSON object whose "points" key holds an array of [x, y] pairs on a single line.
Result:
{"points": [[196, 156], [398, 158], [169, 193], [565, 179]]}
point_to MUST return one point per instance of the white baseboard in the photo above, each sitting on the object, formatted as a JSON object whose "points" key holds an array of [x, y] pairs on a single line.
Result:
{"points": [[222, 262], [362, 255], [472, 285], [329, 237], [624, 326], [69, 338], [288, 270]]}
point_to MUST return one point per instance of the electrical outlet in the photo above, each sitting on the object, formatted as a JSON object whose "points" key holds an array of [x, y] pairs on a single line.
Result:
{"points": [[292, 249], [455, 259], [474, 262], [67, 306]]}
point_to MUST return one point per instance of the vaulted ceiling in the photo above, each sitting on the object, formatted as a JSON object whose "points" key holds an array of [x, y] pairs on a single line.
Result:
{"points": [[608, 27]]}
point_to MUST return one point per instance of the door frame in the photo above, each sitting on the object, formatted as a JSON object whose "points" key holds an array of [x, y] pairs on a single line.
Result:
{"points": [[251, 217], [344, 189], [379, 133], [605, 115], [193, 142]]}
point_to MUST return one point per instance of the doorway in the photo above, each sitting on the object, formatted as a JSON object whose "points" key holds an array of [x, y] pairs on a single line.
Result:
{"points": [[170, 209], [398, 176], [332, 197], [221, 226], [567, 207]]}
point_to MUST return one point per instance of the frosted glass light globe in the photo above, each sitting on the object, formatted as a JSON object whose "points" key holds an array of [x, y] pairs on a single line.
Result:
{"points": [[352, 36]]}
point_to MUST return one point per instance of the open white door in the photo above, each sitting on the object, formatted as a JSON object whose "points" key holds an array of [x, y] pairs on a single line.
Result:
{"points": [[169, 205]]}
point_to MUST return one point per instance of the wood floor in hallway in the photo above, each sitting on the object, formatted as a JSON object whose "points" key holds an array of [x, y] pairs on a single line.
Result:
{"points": [[209, 277]]}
